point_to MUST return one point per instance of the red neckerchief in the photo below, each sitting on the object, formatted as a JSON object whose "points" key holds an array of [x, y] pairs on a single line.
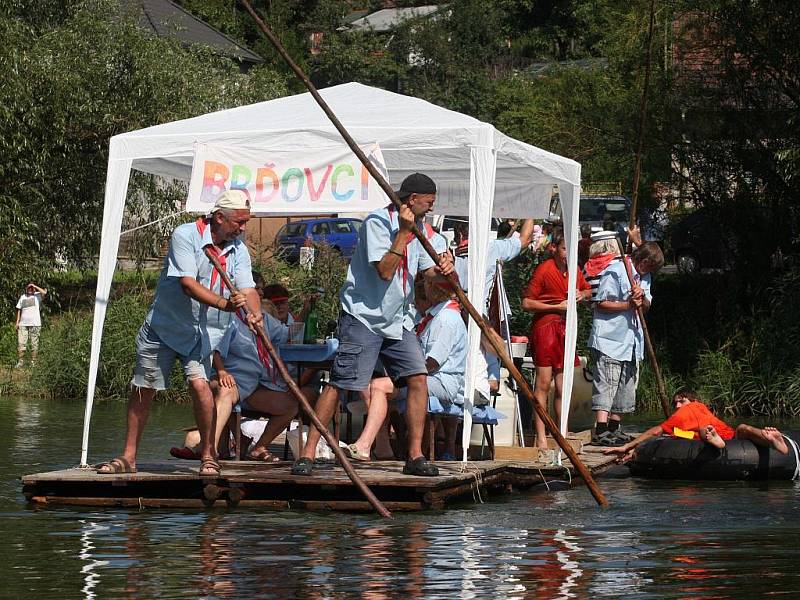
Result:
{"points": [[202, 223], [263, 354], [403, 266], [597, 264], [453, 305]]}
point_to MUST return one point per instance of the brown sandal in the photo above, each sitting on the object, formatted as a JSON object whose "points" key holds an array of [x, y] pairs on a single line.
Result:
{"points": [[209, 468], [264, 456], [116, 466]]}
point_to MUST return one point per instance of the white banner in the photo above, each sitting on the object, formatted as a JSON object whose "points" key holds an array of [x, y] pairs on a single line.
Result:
{"points": [[327, 180]]}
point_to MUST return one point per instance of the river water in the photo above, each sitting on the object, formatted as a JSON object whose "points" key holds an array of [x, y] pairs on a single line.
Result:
{"points": [[658, 539]]}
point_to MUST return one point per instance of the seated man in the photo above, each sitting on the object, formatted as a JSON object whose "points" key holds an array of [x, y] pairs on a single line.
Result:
{"points": [[279, 296], [443, 337], [244, 371], [692, 419]]}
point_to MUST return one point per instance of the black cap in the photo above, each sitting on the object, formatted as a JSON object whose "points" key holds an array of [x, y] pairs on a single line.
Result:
{"points": [[416, 183]]}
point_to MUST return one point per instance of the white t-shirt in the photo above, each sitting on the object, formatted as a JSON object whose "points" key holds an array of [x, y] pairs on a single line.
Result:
{"points": [[29, 305]]}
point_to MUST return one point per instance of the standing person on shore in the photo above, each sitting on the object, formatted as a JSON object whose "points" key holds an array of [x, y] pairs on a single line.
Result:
{"points": [[546, 296], [29, 322], [376, 316], [190, 313]]}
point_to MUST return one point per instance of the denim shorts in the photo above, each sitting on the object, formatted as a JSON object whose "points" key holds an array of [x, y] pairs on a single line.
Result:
{"points": [[614, 385], [154, 360], [359, 351]]}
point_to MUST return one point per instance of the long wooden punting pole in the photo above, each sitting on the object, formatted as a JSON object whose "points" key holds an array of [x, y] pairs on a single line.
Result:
{"points": [[648, 344], [483, 324], [637, 168], [295, 389]]}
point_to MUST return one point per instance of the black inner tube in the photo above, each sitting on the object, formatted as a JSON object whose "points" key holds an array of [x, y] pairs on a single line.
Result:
{"points": [[675, 458]]}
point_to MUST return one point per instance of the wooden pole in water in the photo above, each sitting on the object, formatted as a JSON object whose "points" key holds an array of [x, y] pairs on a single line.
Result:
{"points": [[637, 168], [295, 389], [482, 323], [637, 165]]}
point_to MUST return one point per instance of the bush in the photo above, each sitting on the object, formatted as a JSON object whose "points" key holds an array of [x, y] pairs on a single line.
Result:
{"points": [[328, 272], [63, 366]]}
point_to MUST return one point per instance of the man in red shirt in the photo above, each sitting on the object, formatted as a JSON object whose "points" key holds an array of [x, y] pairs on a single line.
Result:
{"points": [[692, 417], [546, 297]]}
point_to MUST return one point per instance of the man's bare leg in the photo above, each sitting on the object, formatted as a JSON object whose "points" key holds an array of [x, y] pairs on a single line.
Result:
{"points": [[139, 402], [710, 436], [224, 400], [376, 399], [450, 425], [416, 411], [326, 406], [204, 415], [282, 408], [544, 378], [769, 436]]}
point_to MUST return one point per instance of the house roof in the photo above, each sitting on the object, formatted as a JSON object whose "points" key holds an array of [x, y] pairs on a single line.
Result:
{"points": [[167, 19], [389, 18]]}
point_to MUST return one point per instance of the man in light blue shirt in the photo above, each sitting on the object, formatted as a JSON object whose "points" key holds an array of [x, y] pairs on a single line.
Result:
{"points": [[443, 337], [375, 320], [191, 311], [244, 373], [506, 247], [616, 341]]}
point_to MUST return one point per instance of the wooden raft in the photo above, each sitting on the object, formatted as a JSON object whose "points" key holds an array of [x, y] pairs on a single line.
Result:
{"points": [[175, 483]]}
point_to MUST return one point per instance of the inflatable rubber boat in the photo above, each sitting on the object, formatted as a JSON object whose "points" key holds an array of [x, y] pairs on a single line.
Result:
{"points": [[674, 458]]}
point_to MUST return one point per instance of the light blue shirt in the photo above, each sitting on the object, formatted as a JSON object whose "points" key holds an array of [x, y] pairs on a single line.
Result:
{"points": [[503, 249], [444, 339], [240, 354], [382, 306], [180, 321], [618, 334]]}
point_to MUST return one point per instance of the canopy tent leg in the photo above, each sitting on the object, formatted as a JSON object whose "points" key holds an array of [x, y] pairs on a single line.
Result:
{"points": [[117, 178], [483, 164]]}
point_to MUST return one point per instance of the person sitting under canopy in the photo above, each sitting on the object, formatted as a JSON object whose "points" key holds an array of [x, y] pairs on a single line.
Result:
{"points": [[243, 372]]}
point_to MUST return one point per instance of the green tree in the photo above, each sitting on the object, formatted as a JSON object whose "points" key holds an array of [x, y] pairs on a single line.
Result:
{"points": [[67, 90]]}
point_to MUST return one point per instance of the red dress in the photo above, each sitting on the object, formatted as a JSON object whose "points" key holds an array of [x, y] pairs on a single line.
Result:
{"points": [[548, 332]]}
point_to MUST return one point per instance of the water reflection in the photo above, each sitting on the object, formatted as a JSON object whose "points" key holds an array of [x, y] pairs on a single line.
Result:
{"points": [[658, 539], [90, 573]]}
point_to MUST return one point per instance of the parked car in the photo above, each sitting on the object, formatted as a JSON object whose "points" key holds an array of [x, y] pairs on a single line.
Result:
{"points": [[340, 234], [698, 242], [594, 208]]}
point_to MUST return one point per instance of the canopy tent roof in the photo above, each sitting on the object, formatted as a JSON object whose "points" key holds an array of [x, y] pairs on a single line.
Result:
{"points": [[479, 173], [413, 135]]}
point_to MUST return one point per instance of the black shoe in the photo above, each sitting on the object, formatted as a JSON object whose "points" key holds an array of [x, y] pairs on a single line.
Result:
{"points": [[421, 467], [606, 439], [623, 437], [303, 466]]}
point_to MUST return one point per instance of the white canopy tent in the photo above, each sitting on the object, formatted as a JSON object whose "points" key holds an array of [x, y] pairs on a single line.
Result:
{"points": [[479, 173]]}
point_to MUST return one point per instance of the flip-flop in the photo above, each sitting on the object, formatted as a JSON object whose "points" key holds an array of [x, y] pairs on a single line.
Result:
{"points": [[184, 453], [116, 466], [209, 468], [265, 456], [303, 466]]}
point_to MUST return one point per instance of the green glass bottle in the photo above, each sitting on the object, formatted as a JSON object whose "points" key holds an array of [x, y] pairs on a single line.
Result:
{"points": [[312, 325]]}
